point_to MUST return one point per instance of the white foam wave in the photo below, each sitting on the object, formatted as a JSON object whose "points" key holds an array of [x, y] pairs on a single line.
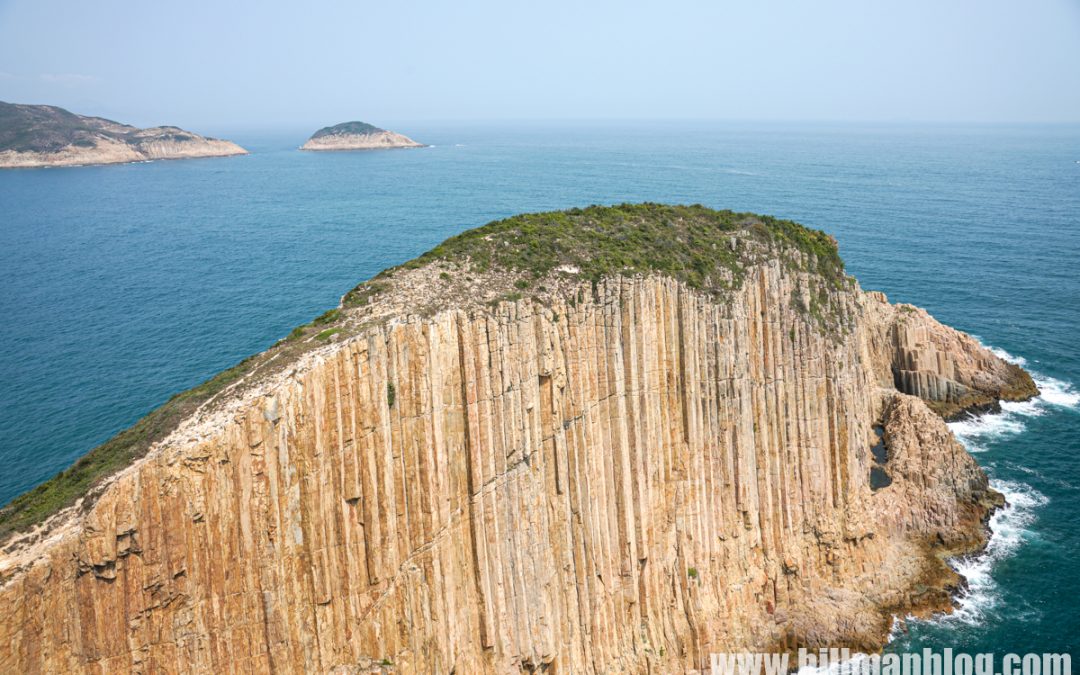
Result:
{"points": [[1009, 530], [1053, 394], [975, 431], [1009, 526], [1002, 354], [1052, 391], [1057, 393], [740, 172]]}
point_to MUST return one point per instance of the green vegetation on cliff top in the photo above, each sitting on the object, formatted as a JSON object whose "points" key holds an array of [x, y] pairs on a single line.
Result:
{"points": [[704, 248]]}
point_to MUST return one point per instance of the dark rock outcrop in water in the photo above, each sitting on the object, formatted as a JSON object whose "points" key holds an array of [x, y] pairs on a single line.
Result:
{"points": [[45, 135], [357, 136], [607, 439]]}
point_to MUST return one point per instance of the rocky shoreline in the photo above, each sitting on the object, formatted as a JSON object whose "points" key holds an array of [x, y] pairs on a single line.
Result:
{"points": [[105, 154]]}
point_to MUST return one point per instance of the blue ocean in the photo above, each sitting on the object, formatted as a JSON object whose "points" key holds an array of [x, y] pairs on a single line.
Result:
{"points": [[121, 285]]}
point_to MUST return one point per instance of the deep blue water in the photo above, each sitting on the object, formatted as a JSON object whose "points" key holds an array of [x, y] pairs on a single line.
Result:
{"points": [[122, 285]]}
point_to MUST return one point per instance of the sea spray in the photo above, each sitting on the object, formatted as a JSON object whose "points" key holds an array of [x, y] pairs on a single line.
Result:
{"points": [[1012, 525], [1009, 527], [977, 430]]}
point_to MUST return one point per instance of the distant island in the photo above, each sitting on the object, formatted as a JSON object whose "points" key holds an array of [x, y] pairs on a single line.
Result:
{"points": [[357, 136], [45, 135]]}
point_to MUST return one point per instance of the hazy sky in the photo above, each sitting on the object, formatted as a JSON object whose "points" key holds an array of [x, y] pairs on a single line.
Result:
{"points": [[310, 63]]}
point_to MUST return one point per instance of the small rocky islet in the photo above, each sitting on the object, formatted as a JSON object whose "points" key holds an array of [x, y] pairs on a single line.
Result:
{"points": [[47, 136], [357, 136]]}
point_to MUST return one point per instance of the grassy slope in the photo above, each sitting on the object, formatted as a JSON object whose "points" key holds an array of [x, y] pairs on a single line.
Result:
{"points": [[690, 243], [46, 128], [25, 128]]}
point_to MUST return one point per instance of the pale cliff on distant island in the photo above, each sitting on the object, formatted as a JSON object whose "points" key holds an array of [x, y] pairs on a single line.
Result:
{"points": [[357, 136], [45, 135], [594, 441]]}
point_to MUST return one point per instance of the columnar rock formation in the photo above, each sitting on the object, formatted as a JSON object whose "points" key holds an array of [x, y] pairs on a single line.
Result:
{"points": [[949, 369], [621, 476]]}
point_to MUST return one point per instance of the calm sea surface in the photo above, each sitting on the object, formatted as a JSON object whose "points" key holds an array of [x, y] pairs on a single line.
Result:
{"points": [[122, 285]]}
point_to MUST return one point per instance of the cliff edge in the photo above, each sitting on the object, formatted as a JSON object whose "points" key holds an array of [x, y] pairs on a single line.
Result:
{"points": [[594, 440], [357, 136], [45, 135]]}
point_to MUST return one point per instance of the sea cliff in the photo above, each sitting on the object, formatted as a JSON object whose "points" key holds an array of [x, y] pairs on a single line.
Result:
{"points": [[41, 135], [605, 439]]}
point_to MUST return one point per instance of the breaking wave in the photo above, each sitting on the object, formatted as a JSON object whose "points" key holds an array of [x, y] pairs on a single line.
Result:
{"points": [[1009, 527], [975, 431]]}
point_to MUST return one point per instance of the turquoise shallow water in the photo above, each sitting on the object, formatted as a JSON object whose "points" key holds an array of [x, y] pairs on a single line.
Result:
{"points": [[122, 285]]}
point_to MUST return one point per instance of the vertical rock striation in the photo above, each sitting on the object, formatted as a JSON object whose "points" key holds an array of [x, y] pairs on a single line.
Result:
{"points": [[624, 478]]}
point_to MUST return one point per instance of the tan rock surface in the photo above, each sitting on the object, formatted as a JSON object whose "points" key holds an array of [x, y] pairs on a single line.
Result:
{"points": [[146, 145], [947, 368], [621, 483]]}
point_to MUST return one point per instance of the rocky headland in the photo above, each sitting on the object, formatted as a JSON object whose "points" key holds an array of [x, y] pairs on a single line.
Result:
{"points": [[357, 136], [600, 440], [45, 135]]}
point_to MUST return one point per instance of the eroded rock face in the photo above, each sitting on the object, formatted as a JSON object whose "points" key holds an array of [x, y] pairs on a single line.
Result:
{"points": [[628, 481]]}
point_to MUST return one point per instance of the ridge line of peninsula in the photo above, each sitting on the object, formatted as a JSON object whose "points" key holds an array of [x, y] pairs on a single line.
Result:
{"points": [[34, 136]]}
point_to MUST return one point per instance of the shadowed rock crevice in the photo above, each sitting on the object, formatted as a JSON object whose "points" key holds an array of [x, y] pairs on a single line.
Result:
{"points": [[879, 475]]}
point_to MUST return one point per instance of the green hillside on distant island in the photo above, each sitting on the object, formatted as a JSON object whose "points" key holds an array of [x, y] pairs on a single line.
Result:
{"points": [[47, 135], [48, 128], [352, 128]]}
